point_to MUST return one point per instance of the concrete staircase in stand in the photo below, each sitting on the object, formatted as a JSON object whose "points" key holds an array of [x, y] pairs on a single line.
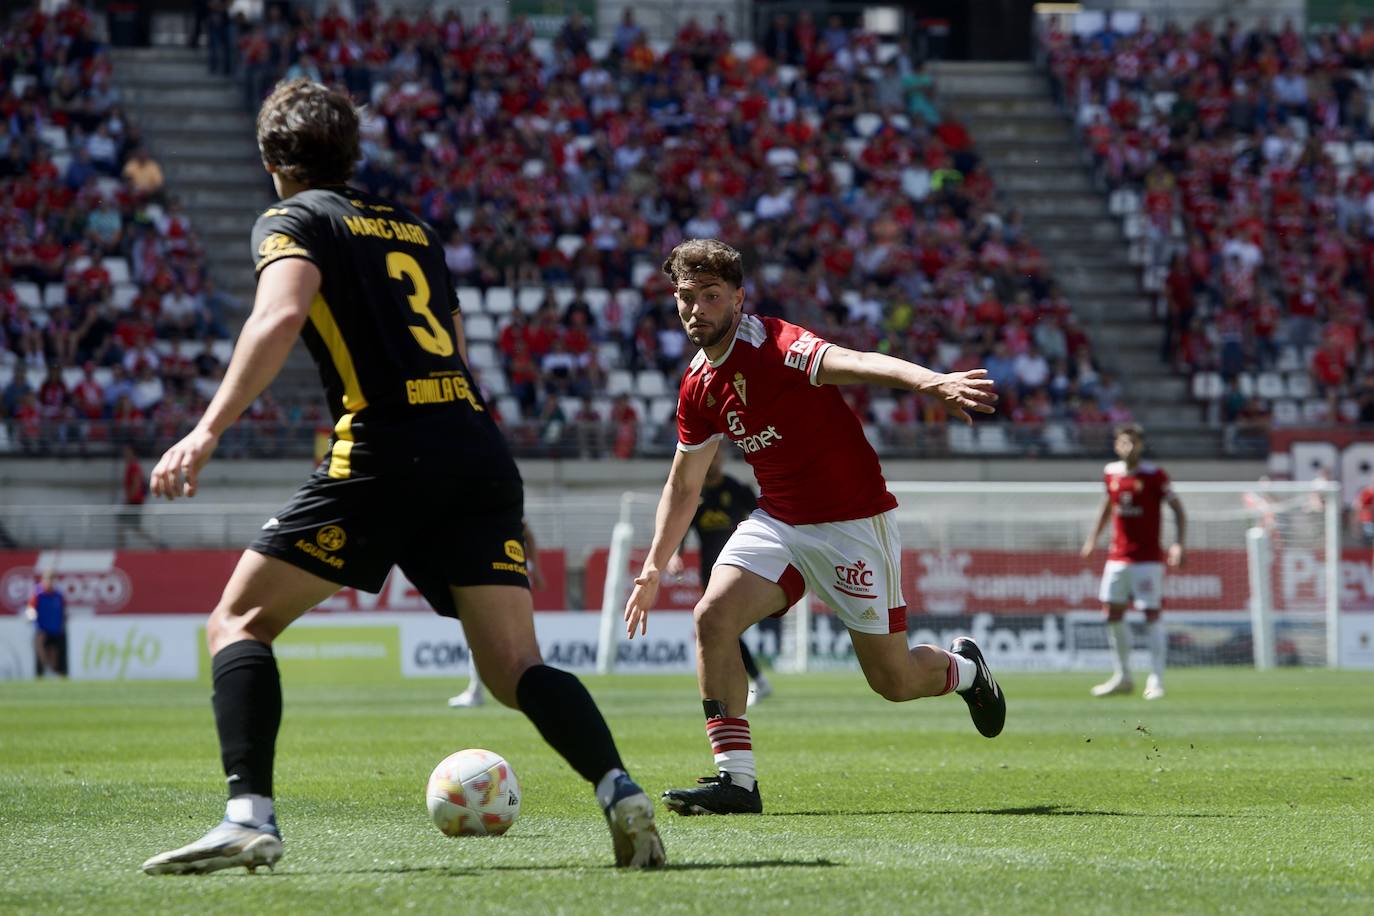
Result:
{"points": [[1038, 164], [195, 126]]}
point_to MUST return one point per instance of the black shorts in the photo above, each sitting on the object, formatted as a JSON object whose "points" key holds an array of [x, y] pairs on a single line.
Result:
{"points": [[441, 532]]}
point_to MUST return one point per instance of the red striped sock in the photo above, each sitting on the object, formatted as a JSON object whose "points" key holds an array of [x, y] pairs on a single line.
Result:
{"points": [[951, 674], [733, 748]]}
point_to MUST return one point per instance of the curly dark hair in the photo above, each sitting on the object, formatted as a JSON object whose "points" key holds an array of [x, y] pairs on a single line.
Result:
{"points": [[706, 257], [309, 133]]}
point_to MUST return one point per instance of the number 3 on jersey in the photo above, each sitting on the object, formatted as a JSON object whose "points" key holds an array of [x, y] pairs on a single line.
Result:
{"points": [[436, 340]]}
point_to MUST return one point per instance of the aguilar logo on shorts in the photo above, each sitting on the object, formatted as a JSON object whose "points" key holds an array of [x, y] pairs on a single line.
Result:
{"points": [[331, 538], [856, 580]]}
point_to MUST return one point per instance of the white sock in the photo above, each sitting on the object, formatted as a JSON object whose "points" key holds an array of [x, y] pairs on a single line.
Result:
{"points": [[964, 672], [733, 749], [605, 789], [761, 682], [1121, 642], [1159, 646], [475, 687], [249, 810]]}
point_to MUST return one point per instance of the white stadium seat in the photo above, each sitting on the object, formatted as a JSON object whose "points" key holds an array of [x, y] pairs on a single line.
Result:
{"points": [[1207, 386], [619, 382], [479, 327], [1269, 385], [499, 300], [118, 269], [530, 298], [662, 410], [650, 384], [28, 294], [1286, 413], [470, 298]]}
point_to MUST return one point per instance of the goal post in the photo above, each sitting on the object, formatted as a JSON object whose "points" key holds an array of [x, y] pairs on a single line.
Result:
{"points": [[1000, 560]]}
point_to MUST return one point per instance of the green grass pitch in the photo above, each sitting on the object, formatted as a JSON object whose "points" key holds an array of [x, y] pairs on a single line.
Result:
{"points": [[1241, 792]]}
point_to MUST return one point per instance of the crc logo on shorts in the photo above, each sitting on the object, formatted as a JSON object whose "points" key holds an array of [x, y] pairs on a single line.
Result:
{"points": [[516, 551], [855, 581], [331, 538]]}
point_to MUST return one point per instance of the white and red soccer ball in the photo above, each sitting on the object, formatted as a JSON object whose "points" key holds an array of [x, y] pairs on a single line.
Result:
{"points": [[473, 793]]}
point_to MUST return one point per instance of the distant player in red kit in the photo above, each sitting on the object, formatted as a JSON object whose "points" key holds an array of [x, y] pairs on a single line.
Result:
{"points": [[825, 519], [1136, 493]]}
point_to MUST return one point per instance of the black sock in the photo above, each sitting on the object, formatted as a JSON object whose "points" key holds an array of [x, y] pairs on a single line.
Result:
{"points": [[247, 705], [566, 715], [750, 665]]}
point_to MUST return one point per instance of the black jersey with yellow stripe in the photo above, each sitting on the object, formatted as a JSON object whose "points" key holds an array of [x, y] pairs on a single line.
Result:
{"points": [[382, 333]]}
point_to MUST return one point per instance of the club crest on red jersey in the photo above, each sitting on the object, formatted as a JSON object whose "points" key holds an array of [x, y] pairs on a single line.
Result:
{"points": [[739, 388]]}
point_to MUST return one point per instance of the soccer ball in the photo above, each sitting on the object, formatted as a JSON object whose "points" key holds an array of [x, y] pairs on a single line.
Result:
{"points": [[473, 793]]}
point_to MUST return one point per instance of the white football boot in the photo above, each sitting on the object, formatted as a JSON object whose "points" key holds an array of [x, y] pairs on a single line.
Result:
{"points": [[228, 845], [472, 697], [1116, 684], [1154, 687], [630, 815]]}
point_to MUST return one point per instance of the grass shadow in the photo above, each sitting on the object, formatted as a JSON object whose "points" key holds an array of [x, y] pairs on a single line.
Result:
{"points": [[458, 871], [1027, 811]]}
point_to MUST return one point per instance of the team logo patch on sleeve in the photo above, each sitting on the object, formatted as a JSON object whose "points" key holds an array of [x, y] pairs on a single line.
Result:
{"points": [[276, 246]]}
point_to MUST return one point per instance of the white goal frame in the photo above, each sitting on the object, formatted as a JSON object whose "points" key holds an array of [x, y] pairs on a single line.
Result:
{"points": [[796, 652]]}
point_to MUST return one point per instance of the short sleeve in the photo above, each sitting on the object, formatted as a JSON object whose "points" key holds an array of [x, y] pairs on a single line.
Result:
{"points": [[1166, 486], [799, 349], [284, 232], [694, 429]]}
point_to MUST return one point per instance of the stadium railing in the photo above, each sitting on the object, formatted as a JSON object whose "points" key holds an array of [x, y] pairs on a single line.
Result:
{"points": [[592, 440]]}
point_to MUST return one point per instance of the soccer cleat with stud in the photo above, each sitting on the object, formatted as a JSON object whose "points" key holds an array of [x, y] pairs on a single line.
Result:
{"points": [[468, 699], [758, 692], [226, 846], [1116, 685], [987, 705], [1154, 688], [715, 795], [630, 815]]}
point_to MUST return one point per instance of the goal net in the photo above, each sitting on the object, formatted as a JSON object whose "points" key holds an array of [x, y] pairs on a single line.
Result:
{"points": [[1000, 561]]}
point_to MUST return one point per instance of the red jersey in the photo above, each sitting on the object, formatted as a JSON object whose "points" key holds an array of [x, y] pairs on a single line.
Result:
{"points": [[808, 450], [1364, 505], [1137, 510]]}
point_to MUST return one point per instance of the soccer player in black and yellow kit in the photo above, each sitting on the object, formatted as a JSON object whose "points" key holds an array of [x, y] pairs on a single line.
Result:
{"points": [[417, 475]]}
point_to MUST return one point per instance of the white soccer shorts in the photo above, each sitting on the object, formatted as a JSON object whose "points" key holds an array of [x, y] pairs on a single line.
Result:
{"points": [[1123, 581], [854, 566]]}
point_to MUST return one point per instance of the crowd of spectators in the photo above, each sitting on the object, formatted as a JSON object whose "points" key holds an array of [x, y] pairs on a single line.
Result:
{"points": [[1250, 153], [571, 164], [109, 326]]}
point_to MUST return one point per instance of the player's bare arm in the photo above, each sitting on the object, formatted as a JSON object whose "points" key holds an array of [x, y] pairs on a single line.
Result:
{"points": [[676, 507], [286, 289], [960, 392], [1104, 515], [1176, 550]]}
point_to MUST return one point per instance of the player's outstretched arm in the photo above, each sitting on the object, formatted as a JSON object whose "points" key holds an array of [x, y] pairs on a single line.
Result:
{"points": [[1103, 514], [676, 507], [1176, 552], [286, 288], [960, 392]]}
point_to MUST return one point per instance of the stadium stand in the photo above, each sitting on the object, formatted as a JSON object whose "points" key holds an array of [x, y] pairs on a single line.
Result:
{"points": [[561, 171], [110, 328], [1241, 166]]}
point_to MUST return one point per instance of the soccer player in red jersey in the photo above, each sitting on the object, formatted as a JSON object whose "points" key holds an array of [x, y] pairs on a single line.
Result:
{"points": [[1364, 514], [1136, 493], [825, 519]]}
